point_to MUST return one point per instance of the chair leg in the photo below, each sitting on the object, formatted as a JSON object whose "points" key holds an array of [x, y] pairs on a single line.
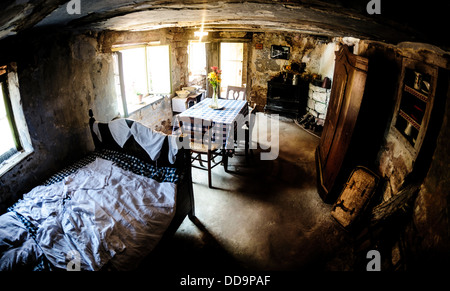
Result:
{"points": [[199, 157], [225, 160], [209, 169], [247, 141]]}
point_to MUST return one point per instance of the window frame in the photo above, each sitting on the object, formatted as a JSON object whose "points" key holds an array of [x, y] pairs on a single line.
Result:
{"points": [[9, 111], [119, 75], [16, 118]]}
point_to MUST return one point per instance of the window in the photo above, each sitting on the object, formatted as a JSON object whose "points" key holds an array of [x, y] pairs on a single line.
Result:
{"points": [[141, 70], [8, 145], [16, 143]]}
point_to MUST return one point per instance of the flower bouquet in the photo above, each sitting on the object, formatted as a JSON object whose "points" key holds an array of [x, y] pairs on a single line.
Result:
{"points": [[214, 80]]}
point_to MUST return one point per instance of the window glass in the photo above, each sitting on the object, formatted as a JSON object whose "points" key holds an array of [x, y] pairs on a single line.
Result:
{"points": [[158, 69], [134, 74], [145, 76], [7, 145], [15, 140]]}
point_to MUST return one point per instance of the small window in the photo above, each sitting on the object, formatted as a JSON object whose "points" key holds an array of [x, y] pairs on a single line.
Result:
{"points": [[8, 146], [142, 76], [16, 142]]}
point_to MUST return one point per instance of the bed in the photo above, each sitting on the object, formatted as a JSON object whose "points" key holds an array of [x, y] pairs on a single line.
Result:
{"points": [[107, 211]]}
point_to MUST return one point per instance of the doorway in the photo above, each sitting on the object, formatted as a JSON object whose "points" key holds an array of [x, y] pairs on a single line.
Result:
{"points": [[231, 64]]}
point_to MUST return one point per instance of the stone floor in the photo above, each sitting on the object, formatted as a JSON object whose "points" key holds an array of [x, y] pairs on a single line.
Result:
{"points": [[264, 215]]}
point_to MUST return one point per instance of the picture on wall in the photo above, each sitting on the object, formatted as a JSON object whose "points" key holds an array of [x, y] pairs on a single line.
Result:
{"points": [[280, 52]]}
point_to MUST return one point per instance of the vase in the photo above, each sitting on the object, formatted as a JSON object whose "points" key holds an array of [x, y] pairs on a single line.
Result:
{"points": [[408, 129], [215, 98]]}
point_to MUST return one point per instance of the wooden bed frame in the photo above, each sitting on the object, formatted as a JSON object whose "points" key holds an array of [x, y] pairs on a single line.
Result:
{"points": [[185, 193]]}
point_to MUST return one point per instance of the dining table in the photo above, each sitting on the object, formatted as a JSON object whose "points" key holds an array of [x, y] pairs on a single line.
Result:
{"points": [[225, 122]]}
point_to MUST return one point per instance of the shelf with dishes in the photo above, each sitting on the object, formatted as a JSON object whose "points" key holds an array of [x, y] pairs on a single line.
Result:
{"points": [[422, 96], [415, 101], [409, 119]]}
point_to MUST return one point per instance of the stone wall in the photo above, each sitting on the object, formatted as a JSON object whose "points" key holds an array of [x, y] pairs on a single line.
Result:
{"points": [[157, 116], [316, 53], [61, 76], [318, 99], [425, 238]]}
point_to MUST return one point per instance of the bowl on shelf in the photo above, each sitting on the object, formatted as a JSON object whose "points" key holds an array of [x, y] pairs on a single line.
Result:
{"points": [[183, 93], [190, 89]]}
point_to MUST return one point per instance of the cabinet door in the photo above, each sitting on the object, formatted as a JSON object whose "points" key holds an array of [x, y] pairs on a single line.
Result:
{"points": [[345, 101]]}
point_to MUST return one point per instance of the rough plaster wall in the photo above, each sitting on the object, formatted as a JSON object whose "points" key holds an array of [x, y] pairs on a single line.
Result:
{"points": [[157, 116], [326, 65], [179, 43], [432, 207], [307, 49], [60, 78], [396, 162], [428, 234], [431, 214]]}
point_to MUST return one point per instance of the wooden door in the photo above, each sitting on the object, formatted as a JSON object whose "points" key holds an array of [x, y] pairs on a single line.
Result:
{"points": [[346, 96]]}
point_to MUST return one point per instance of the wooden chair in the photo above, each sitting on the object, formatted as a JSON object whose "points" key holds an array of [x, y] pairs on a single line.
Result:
{"points": [[201, 144], [236, 93]]}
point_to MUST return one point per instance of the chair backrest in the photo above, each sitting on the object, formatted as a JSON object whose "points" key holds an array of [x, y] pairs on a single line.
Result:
{"points": [[196, 129], [236, 93]]}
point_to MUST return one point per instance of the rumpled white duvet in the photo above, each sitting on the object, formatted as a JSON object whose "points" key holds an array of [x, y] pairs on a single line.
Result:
{"points": [[101, 212]]}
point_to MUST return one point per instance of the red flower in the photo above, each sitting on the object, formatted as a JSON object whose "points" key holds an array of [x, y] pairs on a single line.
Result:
{"points": [[214, 68]]}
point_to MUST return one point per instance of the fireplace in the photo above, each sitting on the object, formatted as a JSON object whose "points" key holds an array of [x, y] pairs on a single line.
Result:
{"points": [[286, 98]]}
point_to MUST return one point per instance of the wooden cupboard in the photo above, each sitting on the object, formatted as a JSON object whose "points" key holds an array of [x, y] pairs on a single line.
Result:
{"points": [[345, 101]]}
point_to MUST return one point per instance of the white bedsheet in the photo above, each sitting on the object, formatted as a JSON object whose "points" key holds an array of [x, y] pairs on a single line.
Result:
{"points": [[112, 215], [150, 140], [120, 131]]}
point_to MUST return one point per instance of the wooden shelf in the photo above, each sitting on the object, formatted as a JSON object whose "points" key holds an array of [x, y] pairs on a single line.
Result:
{"points": [[416, 93], [409, 102], [409, 119]]}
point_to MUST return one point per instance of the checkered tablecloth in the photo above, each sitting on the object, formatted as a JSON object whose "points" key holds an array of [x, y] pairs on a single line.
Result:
{"points": [[225, 122]]}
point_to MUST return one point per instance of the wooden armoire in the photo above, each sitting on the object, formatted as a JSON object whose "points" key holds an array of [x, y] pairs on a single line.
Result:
{"points": [[343, 109]]}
